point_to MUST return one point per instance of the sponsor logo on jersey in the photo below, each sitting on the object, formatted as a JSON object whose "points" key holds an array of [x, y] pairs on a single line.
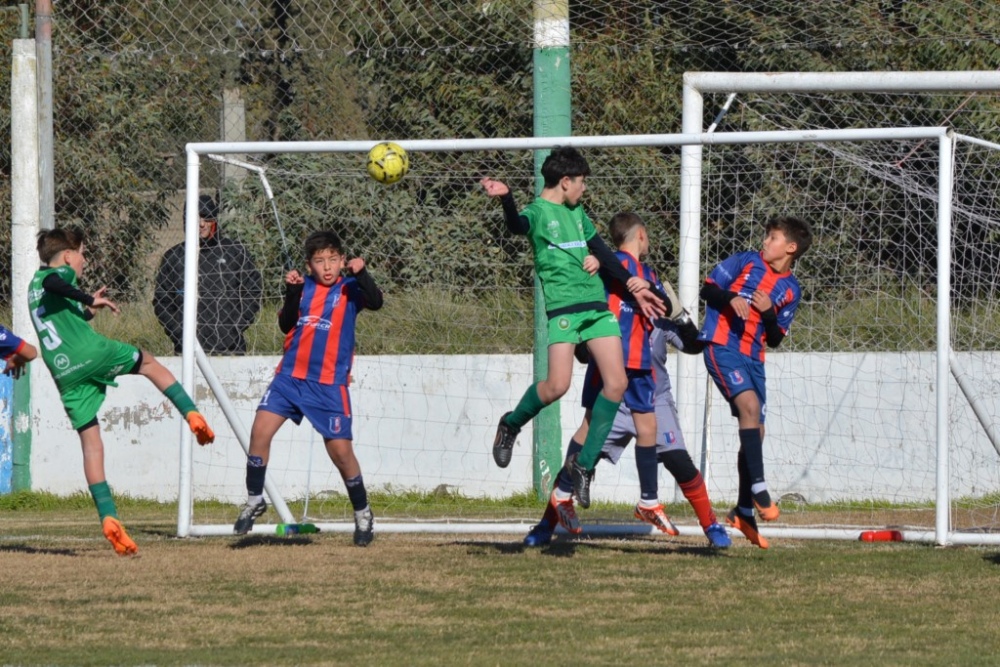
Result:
{"points": [[553, 229], [61, 362], [315, 321]]}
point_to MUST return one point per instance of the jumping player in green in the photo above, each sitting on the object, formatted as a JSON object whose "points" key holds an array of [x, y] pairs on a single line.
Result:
{"points": [[568, 253], [84, 364]]}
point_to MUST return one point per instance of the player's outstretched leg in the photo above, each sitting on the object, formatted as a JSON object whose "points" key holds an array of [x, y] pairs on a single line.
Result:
{"points": [[746, 525], [115, 532], [165, 381]]}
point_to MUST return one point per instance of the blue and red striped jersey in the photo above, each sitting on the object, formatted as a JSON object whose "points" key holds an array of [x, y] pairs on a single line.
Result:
{"points": [[10, 343], [321, 346], [634, 325], [743, 274]]}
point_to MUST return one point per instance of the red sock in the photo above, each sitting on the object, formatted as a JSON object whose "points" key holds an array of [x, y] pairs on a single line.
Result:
{"points": [[697, 494], [550, 517]]}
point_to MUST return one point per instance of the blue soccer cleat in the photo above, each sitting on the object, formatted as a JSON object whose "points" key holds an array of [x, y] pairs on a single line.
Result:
{"points": [[718, 537], [539, 536]]}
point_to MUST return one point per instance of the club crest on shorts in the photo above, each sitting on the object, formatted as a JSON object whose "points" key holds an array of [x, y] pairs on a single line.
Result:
{"points": [[735, 377], [670, 437], [563, 323], [335, 425]]}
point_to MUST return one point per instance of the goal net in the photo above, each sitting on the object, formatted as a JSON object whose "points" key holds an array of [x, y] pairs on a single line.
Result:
{"points": [[853, 433]]}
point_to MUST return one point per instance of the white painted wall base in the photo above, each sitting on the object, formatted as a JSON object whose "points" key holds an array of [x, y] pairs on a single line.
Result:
{"points": [[840, 426]]}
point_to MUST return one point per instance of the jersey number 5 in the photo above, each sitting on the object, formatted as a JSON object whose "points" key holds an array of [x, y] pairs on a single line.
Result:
{"points": [[46, 331]]}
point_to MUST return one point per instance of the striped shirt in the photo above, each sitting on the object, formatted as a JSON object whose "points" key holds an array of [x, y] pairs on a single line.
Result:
{"points": [[321, 346], [635, 326], [743, 274]]}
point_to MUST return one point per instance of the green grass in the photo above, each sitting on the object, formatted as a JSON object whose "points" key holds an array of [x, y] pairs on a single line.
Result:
{"points": [[66, 599]]}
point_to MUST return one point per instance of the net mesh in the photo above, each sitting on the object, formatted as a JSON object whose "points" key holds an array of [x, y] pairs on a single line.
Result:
{"points": [[134, 81], [851, 431]]}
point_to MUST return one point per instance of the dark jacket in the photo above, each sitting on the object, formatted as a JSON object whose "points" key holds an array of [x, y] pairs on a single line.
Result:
{"points": [[229, 292]]}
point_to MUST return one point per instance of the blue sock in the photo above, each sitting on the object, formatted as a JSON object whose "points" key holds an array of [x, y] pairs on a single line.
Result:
{"points": [[256, 471], [646, 466], [753, 448], [357, 493]]}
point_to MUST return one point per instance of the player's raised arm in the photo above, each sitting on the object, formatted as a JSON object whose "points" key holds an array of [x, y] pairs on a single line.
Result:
{"points": [[100, 301], [288, 316], [369, 290], [516, 223]]}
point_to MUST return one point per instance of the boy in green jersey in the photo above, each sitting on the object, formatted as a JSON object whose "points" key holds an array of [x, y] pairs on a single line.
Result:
{"points": [[84, 364], [568, 253]]}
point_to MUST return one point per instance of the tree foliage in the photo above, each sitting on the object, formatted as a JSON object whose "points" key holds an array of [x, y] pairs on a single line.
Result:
{"points": [[135, 81]]}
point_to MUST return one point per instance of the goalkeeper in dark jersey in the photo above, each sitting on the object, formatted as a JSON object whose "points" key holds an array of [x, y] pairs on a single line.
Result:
{"points": [[84, 363], [562, 238]]}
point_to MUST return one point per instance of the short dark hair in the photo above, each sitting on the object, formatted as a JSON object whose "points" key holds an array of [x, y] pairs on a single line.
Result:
{"points": [[323, 240], [621, 226], [51, 242], [796, 230], [563, 161]]}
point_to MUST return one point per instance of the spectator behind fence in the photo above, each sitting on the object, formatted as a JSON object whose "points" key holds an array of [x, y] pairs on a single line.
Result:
{"points": [[229, 288]]}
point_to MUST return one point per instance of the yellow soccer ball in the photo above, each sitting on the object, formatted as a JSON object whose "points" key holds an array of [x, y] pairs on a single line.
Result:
{"points": [[387, 162]]}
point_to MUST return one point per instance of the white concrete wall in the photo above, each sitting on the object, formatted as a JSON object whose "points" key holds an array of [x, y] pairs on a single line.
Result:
{"points": [[840, 426]]}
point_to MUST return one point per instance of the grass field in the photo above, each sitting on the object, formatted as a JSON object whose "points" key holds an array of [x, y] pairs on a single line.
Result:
{"points": [[66, 599]]}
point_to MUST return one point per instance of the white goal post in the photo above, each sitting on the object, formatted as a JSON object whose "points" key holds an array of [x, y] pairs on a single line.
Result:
{"points": [[689, 278], [696, 85]]}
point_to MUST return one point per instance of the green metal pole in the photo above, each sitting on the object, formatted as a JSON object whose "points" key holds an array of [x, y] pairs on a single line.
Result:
{"points": [[20, 474], [552, 119]]}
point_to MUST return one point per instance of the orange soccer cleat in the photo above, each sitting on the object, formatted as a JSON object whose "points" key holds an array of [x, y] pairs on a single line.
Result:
{"points": [[748, 526], [767, 509], [115, 532], [200, 428], [656, 517]]}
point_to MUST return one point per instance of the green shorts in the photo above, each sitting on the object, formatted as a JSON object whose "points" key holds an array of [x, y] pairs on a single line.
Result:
{"points": [[583, 326], [83, 400]]}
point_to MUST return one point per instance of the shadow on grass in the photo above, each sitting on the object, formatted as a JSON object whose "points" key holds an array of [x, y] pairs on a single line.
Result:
{"points": [[25, 549], [567, 547], [251, 541], [993, 558]]}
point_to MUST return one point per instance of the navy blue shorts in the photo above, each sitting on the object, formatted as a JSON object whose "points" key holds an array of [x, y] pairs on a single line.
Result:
{"points": [[326, 406], [638, 395], [735, 373]]}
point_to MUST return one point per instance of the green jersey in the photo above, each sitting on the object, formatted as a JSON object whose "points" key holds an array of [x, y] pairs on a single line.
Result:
{"points": [[71, 349], [558, 236]]}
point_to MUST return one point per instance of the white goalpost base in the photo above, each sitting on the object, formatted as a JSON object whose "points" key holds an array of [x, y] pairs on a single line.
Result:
{"points": [[453, 434]]}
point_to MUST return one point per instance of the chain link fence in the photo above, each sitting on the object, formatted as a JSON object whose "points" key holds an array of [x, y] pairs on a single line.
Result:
{"points": [[134, 81]]}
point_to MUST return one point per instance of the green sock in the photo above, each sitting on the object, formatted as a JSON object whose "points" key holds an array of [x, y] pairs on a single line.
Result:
{"points": [[180, 398], [529, 406], [602, 418], [103, 500]]}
